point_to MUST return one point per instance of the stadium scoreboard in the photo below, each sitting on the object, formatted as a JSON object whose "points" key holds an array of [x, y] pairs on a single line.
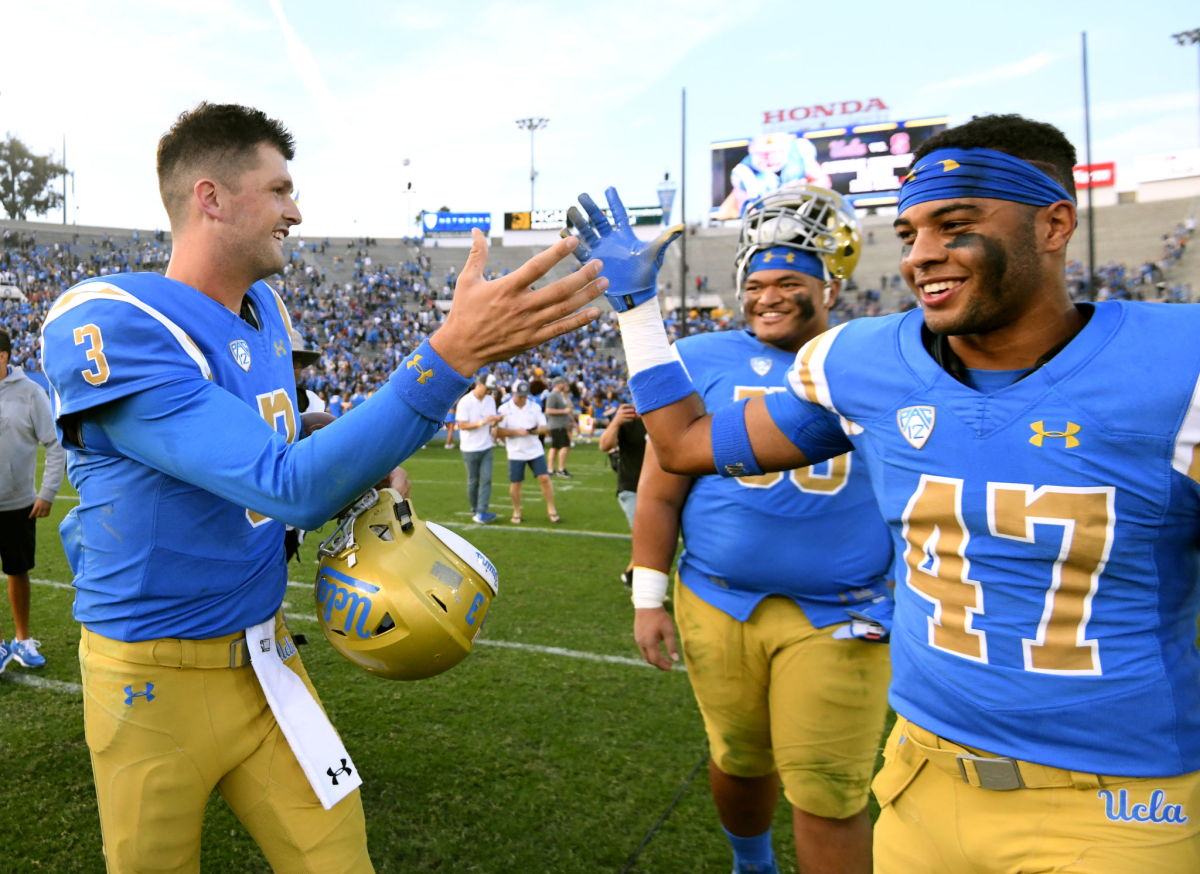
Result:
{"points": [[865, 163], [556, 219]]}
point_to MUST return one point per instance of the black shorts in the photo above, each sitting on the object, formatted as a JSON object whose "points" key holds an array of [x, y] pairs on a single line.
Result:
{"points": [[560, 438], [18, 541]]}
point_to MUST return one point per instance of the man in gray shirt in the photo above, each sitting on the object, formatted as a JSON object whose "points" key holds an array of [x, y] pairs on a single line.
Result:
{"points": [[558, 424], [25, 421]]}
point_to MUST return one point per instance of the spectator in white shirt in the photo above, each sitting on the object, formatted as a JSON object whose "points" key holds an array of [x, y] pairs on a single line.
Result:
{"points": [[476, 413], [522, 425]]}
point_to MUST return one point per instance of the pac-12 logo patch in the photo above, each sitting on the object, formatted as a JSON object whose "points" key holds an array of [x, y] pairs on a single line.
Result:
{"points": [[761, 364], [241, 354], [916, 424]]}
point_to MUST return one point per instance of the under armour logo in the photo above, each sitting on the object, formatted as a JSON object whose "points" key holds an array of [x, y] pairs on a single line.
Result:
{"points": [[737, 469], [425, 374], [342, 770], [279, 347], [1040, 434], [130, 694], [947, 165], [789, 258]]}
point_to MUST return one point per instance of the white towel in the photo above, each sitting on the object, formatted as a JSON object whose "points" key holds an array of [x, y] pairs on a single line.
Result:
{"points": [[317, 747]]}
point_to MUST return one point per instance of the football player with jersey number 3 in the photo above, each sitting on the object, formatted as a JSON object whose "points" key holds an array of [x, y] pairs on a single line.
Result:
{"points": [[772, 564], [176, 400], [1037, 462]]}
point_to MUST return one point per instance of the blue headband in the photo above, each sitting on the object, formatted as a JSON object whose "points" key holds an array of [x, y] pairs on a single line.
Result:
{"points": [[948, 173], [787, 258]]}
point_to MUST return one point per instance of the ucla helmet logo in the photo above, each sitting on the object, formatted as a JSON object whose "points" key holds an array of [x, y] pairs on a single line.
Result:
{"points": [[241, 354], [400, 597], [760, 364], [916, 424]]}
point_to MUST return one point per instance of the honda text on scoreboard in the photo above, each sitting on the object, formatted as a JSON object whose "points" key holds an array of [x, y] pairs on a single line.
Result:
{"points": [[455, 224], [865, 163]]}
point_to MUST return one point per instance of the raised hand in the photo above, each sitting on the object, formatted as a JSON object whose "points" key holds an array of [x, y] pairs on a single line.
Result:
{"points": [[630, 264], [494, 320]]}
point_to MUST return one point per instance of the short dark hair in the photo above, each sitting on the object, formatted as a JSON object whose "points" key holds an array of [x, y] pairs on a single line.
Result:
{"points": [[214, 137], [5, 342], [1041, 144]]}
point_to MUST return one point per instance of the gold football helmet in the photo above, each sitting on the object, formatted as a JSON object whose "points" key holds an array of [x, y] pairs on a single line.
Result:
{"points": [[805, 217], [401, 598]]}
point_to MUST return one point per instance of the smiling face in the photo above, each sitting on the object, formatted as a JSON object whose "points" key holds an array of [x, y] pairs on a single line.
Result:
{"points": [[261, 211], [786, 309], [974, 263]]}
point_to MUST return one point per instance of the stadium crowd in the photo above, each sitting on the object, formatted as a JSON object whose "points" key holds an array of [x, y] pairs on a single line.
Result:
{"points": [[1147, 281], [364, 326]]}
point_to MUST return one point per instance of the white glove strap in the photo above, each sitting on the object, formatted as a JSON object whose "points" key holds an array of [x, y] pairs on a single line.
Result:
{"points": [[645, 338], [649, 588]]}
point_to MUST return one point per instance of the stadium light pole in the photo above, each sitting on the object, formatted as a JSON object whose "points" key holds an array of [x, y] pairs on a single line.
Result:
{"points": [[1188, 38], [1087, 135], [533, 125], [683, 328]]}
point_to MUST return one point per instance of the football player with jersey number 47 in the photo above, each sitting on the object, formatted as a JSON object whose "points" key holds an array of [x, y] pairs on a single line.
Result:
{"points": [[771, 566], [176, 400], [1038, 463]]}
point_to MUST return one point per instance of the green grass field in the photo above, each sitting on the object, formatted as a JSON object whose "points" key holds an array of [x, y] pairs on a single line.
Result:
{"points": [[515, 761]]}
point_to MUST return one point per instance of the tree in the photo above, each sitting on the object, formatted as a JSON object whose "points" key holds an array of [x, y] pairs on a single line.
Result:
{"points": [[26, 180]]}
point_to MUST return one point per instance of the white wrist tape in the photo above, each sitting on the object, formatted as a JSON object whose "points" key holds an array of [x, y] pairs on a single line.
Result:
{"points": [[649, 588], [644, 337]]}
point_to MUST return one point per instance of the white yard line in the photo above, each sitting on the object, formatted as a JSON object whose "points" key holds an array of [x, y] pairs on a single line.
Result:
{"points": [[294, 617], [11, 676], [508, 527], [571, 653]]}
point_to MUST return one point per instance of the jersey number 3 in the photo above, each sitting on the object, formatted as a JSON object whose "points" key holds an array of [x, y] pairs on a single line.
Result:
{"points": [[939, 571], [90, 334]]}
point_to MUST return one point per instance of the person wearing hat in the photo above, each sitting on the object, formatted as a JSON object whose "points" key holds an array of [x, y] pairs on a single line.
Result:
{"points": [[522, 425], [307, 400], [476, 414]]}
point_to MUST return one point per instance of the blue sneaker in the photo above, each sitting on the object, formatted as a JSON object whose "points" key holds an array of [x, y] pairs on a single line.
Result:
{"points": [[6, 655], [26, 654], [485, 518]]}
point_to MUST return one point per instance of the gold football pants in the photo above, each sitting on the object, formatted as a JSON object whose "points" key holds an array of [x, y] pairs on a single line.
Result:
{"points": [[168, 721], [778, 694], [936, 817]]}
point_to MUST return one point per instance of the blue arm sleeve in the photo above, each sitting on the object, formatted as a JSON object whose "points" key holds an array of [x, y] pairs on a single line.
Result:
{"points": [[197, 432], [815, 430]]}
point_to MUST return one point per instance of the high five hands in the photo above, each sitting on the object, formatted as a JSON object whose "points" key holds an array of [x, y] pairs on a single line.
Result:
{"points": [[493, 320], [631, 265]]}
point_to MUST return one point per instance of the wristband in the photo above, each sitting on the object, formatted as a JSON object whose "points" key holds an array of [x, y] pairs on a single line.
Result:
{"points": [[644, 337], [732, 453], [428, 384], [649, 588], [660, 386]]}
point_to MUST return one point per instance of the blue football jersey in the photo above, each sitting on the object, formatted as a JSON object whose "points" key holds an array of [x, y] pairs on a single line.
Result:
{"points": [[188, 467], [814, 535], [1046, 533]]}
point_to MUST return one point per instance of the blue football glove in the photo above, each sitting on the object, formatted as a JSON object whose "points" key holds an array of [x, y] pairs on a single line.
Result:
{"points": [[630, 265], [872, 622]]}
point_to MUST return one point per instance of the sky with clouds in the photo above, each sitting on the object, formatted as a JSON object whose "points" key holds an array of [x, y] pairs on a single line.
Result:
{"points": [[366, 85]]}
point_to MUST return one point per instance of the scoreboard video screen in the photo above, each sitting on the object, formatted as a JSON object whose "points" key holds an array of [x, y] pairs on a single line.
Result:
{"points": [[865, 163]]}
